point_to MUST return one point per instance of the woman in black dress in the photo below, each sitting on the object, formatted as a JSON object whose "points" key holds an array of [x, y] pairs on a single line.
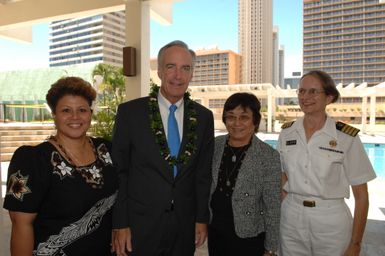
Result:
{"points": [[60, 192]]}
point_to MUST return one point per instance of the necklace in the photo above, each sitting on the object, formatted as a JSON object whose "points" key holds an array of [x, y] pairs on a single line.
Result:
{"points": [[234, 157], [69, 154], [237, 161], [158, 129]]}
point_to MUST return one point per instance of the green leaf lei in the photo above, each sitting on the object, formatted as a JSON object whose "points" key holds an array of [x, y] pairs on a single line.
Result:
{"points": [[158, 129]]}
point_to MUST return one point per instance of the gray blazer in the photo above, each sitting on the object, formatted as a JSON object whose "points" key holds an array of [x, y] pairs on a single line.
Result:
{"points": [[256, 198]]}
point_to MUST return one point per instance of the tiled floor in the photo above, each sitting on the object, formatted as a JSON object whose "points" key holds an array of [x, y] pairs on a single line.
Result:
{"points": [[374, 238]]}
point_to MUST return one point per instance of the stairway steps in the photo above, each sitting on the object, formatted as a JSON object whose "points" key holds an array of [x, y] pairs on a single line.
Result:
{"points": [[6, 157], [14, 136], [26, 127], [7, 150], [17, 144], [32, 137], [25, 132]]}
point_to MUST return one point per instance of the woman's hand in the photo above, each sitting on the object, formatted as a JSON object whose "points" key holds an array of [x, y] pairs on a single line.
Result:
{"points": [[353, 249]]}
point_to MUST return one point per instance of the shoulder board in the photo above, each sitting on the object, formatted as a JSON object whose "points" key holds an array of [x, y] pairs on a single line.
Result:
{"points": [[287, 124], [345, 128]]}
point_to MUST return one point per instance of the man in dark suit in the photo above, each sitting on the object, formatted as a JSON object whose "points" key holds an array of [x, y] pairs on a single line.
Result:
{"points": [[162, 204]]}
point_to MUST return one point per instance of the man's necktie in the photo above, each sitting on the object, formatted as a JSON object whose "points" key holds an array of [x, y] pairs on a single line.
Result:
{"points": [[173, 139]]}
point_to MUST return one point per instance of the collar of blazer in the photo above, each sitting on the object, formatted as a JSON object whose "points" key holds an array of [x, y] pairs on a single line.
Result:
{"points": [[158, 129]]}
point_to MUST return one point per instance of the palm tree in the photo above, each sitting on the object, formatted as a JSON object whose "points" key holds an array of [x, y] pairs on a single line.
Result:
{"points": [[111, 93]]}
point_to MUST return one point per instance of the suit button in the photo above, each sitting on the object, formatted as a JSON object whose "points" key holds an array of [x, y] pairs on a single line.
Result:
{"points": [[261, 212], [246, 194], [248, 213]]}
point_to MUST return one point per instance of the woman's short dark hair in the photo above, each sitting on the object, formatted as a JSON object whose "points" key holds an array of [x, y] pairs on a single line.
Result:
{"points": [[327, 83], [69, 86], [245, 100]]}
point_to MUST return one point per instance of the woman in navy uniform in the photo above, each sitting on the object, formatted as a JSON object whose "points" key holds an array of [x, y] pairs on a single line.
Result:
{"points": [[320, 160]]}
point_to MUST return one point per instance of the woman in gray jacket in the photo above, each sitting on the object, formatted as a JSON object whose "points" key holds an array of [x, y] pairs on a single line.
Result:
{"points": [[245, 193]]}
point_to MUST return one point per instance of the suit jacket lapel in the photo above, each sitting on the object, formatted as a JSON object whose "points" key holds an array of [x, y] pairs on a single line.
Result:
{"points": [[217, 157], [164, 168], [182, 167]]}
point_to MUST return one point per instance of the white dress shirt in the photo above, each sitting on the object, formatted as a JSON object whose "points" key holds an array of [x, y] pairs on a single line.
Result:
{"points": [[164, 106]]}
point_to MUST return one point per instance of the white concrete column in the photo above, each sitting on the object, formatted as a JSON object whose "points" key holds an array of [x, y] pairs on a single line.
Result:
{"points": [[270, 110], [364, 107], [372, 113], [273, 106], [138, 36]]}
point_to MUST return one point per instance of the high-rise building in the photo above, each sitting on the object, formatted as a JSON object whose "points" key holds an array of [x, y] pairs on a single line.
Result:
{"points": [[275, 67], [346, 39], [97, 38], [255, 26], [216, 67], [281, 72]]}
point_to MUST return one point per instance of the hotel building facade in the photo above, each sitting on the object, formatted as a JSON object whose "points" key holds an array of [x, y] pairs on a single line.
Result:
{"points": [[255, 35], [97, 38], [215, 67], [345, 38]]}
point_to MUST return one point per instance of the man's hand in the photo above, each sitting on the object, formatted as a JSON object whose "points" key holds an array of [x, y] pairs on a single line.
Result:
{"points": [[121, 241], [200, 234]]}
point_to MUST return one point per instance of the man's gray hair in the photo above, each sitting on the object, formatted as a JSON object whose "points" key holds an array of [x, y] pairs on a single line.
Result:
{"points": [[175, 43]]}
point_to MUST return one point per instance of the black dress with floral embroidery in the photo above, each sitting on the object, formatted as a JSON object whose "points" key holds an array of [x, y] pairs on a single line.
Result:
{"points": [[73, 204]]}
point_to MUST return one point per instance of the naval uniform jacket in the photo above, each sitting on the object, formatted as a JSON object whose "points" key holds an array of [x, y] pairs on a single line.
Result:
{"points": [[147, 189], [256, 197], [326, 165]]}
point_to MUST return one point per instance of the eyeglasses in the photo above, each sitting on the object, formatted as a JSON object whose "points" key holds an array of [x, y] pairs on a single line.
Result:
{"points": [[241, 118], [311, 92]]}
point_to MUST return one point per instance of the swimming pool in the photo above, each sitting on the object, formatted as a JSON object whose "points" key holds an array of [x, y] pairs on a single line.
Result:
{"points": [[376, 154]]}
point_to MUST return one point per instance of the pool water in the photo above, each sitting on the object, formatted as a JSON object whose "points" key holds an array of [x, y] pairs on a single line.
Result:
{"points": [[376, 154]]}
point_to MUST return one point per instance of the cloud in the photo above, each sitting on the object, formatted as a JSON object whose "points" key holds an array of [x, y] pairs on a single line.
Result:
{"points": [[19, 63]]}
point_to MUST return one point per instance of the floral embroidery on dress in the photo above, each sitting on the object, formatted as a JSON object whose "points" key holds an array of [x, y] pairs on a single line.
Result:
{"points": [[64, 169], [17, 186], [92, 173], [104, 155], [95, 172], [60, 167]]}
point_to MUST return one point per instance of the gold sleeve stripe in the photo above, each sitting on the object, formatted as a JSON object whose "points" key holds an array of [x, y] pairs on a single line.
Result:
{"points": [[345, 128], [287, 124]]}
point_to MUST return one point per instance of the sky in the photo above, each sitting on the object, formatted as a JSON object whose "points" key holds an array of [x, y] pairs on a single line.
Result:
{"points": [[199, 23]]}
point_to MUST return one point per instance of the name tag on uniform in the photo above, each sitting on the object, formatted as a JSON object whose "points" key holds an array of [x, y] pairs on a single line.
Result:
{"points": [[291, 142], [332, 150]]}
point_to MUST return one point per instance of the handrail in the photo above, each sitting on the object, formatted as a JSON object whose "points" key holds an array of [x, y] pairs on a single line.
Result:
{"points": [[21, 106]]}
